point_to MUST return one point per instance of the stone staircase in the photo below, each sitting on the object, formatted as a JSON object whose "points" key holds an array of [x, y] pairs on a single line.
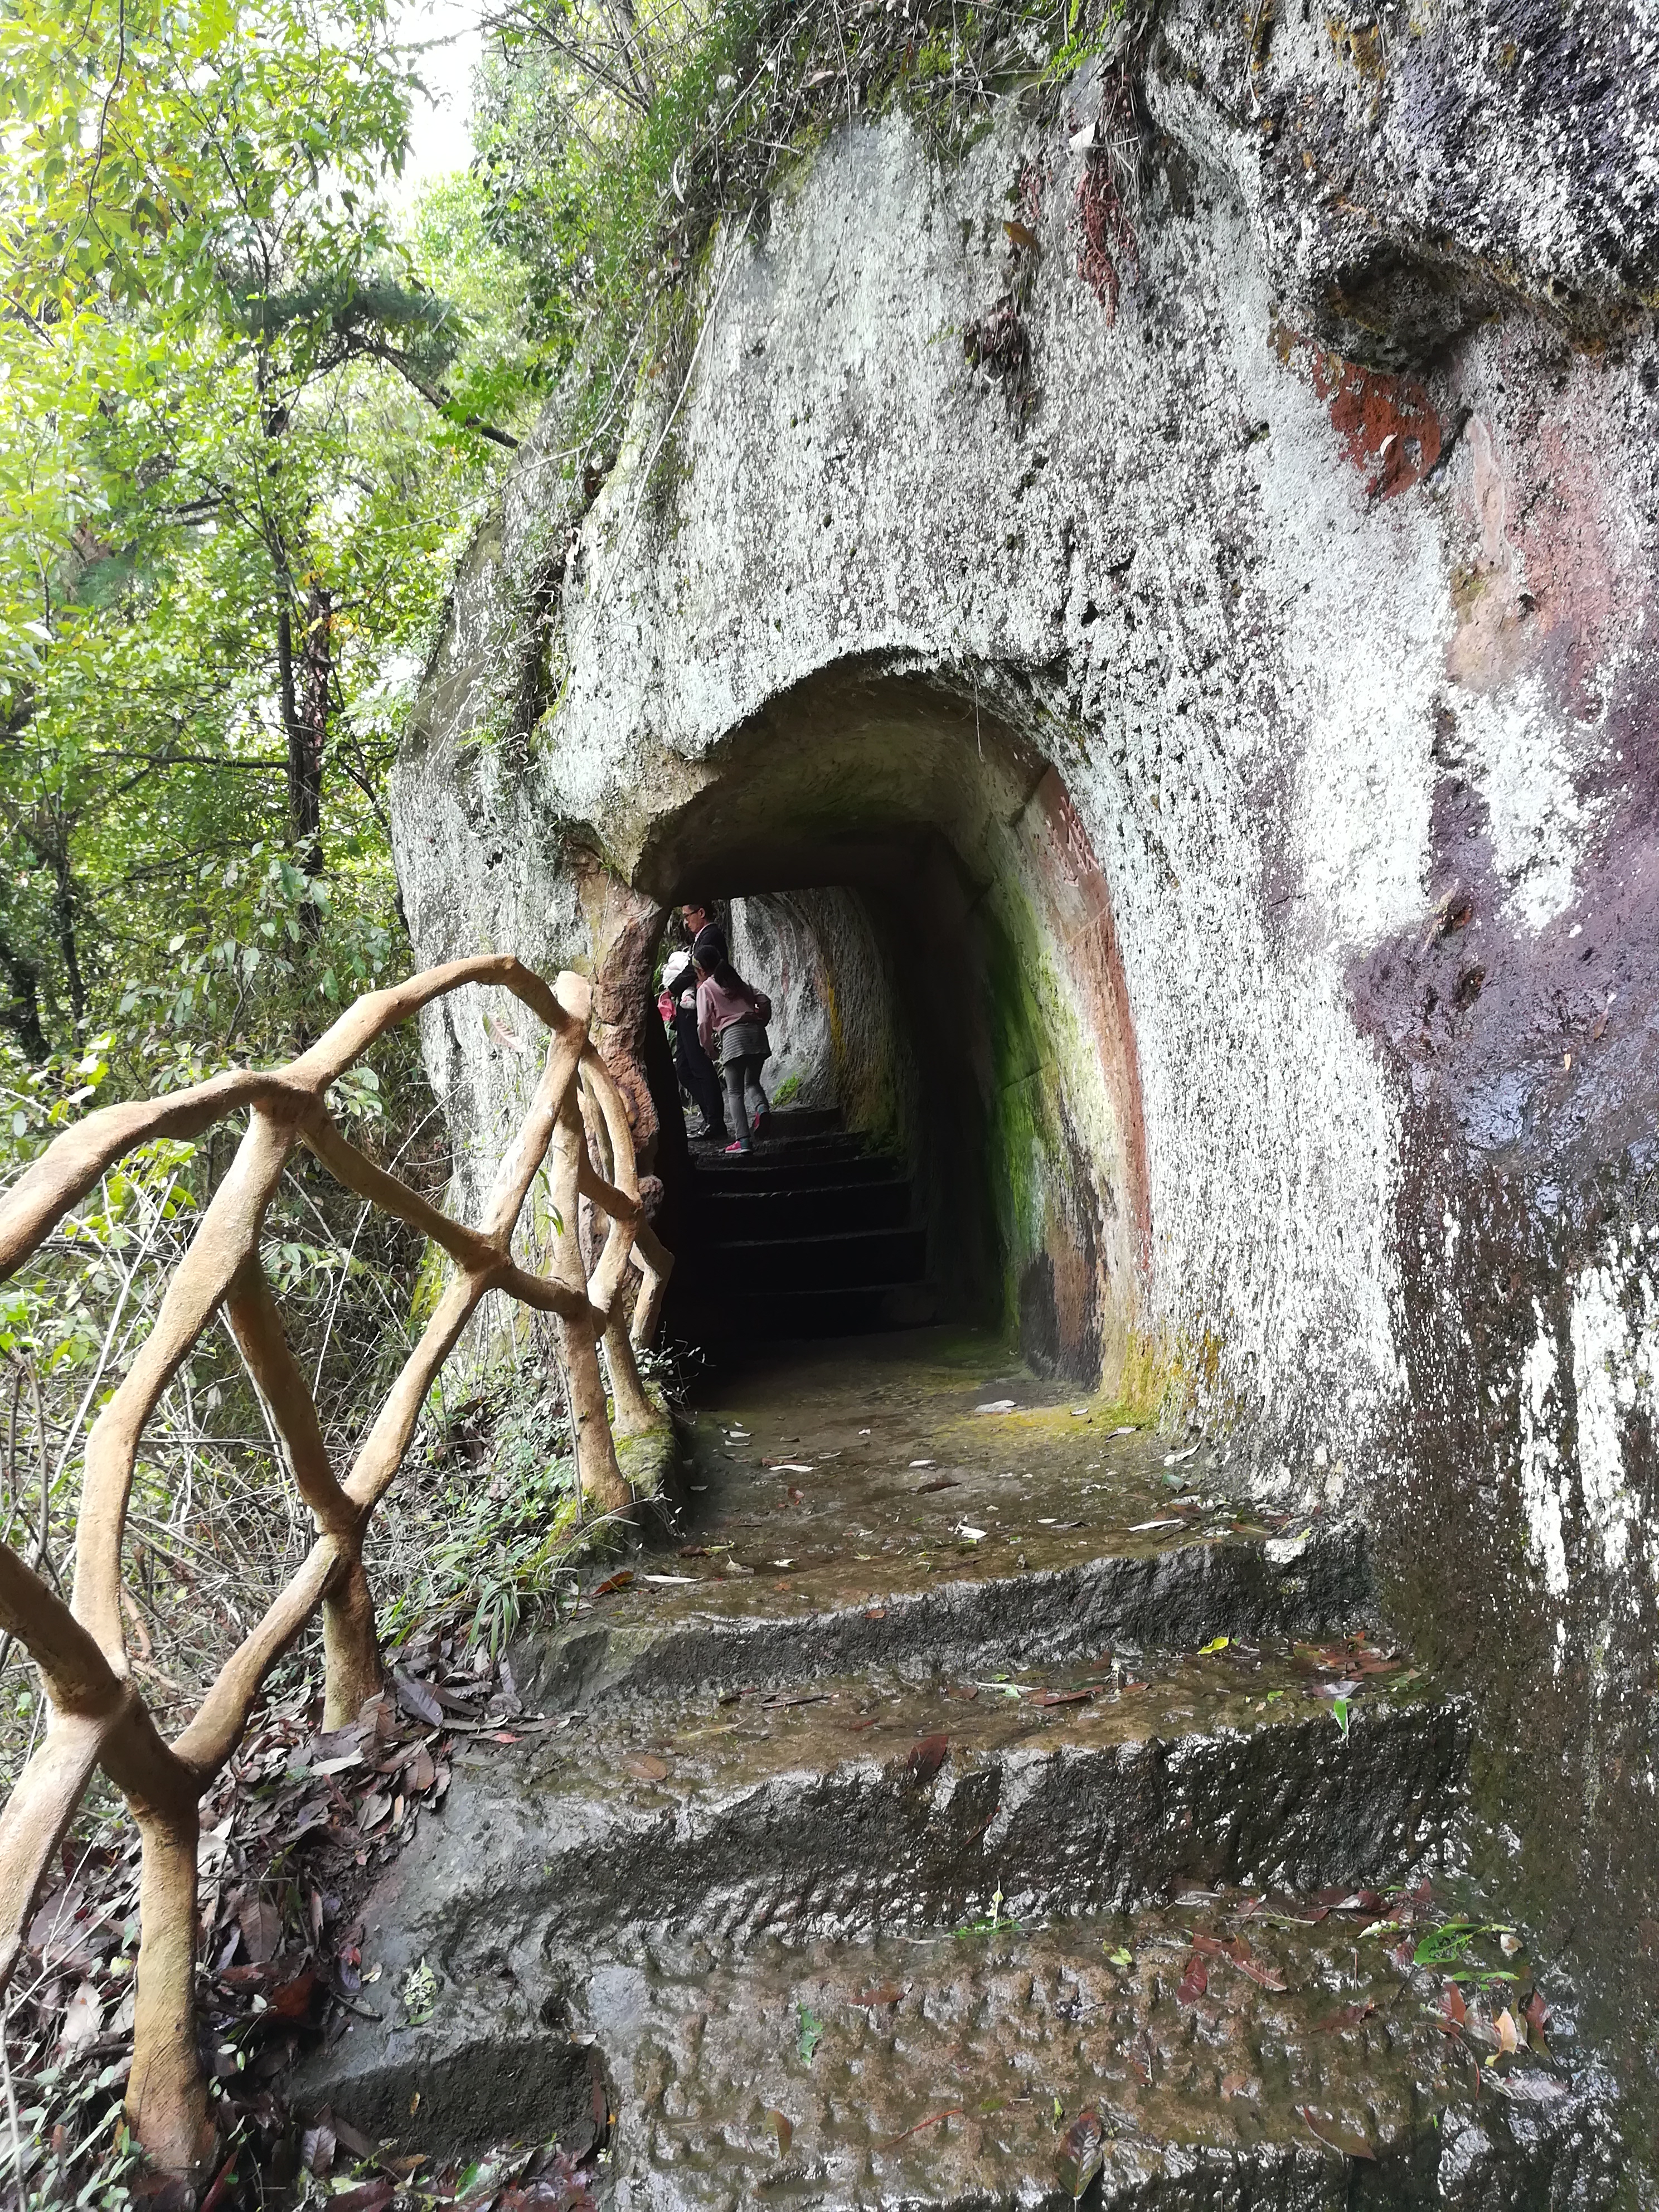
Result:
{"points": [[971, 1809], [814, 1234]]}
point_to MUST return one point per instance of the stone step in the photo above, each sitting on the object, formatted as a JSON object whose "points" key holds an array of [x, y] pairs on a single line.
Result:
{"points": [[805, 1209], [1033, 1536], [805, 1266], [1229, 2050], [731, 1620], [992, 2070], [868, 1804], [720, 1316], [828, 1162]]}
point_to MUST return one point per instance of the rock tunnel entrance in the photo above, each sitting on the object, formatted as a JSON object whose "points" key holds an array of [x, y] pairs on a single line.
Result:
{"points": [[913, 887]]}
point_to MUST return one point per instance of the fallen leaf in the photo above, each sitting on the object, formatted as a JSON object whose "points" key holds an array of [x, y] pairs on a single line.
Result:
{"points": [[56, 1932], [1216, 1643], [373, 1809], [367, 2197], [1194, 1983], [293, 2000], [418, 1700], [1509, 2035], [84, 2016], [888, 1994], [1063, 1697], [1334, 2137], [1082, 2152], [620, 1581], [784, 2127], [991, 1406], [350, 2138], [1453, 2008], [262, 1931], [1237, 1953], [938, 1482], [420, 1772], [1234, 2085], [1350, 2015], [317, 2150], [645, 1767], [1535, 2013], [1021, 235], [503, 1035], [927, 1758]]}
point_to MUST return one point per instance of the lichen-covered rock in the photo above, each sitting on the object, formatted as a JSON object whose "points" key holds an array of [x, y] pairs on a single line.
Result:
{"points": [[1211, 629]]}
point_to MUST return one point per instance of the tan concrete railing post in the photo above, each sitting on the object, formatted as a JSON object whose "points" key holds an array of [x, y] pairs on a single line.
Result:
{"points": [[97, 1716]]}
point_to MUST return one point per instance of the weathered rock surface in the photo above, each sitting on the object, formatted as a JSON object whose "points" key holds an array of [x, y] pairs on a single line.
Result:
{"points": [[1240, 743]]}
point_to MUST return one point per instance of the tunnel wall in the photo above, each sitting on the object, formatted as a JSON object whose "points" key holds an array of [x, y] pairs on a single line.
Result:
{"points": [[836, 1025], [1313, 558]]}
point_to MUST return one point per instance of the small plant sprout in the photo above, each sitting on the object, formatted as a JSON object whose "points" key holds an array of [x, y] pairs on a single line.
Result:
{"points": [[1342, 1713], [419, 1995]]}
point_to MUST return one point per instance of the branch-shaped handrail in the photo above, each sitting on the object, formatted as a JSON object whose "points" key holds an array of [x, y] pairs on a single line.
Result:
{"points": [[98, 1715]]}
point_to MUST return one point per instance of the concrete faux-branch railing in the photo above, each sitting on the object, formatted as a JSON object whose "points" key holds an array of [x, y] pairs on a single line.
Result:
{"points": [[97, 1716]]}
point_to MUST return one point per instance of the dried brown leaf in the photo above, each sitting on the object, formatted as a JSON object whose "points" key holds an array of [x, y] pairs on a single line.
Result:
{"points": [[927, 1758], [262, 1931], [1082, 2152]]}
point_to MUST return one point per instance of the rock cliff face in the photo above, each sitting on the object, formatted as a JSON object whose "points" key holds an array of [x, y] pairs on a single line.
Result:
{"points": [[1197, 617]]}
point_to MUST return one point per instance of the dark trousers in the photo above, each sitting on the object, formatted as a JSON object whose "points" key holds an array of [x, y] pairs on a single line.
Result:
{"points": [[696, 1071], [744, 1099]]}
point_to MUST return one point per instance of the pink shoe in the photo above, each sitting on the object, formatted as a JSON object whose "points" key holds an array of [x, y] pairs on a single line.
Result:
{"points": [[740, 1147]]}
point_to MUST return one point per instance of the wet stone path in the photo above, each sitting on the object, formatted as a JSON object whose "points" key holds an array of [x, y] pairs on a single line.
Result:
{"points": [[964, 1803]]}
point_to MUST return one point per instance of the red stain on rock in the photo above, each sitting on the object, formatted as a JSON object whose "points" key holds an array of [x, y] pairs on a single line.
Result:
{"points": [[1388, 424], [1081, 915]]}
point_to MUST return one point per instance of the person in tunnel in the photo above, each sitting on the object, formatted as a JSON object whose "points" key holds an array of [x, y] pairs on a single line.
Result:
{"points": [[679, 1007], [732, 1020]]}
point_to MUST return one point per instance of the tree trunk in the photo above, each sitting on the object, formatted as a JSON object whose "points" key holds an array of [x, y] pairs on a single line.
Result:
{"points": [[304, 688], [351, 1649], [166, 2098], [21, 1012]]}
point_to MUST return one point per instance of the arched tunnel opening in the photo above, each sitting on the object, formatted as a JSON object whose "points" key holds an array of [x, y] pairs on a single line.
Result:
{"points": [[905, 875]]}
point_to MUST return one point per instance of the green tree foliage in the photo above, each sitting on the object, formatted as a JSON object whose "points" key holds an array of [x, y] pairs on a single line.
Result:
{"points": [[251, 410], [246, 425]]}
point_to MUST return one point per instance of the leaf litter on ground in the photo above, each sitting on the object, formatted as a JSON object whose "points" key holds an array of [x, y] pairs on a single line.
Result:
{"points": [[294, 1832]]}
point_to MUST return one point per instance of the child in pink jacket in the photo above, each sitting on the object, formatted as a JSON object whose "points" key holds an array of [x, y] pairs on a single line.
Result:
{"points": [[731, 1022]]}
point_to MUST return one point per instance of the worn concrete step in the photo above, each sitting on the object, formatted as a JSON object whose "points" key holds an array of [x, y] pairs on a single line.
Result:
{"points": [[863, 1801], [835, 1521], [756, 1613], [806, 1265], [1305, 2065], [805, 1209], [827, 1163], [993, 2070], [867, 1806], [726, 1315]]}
